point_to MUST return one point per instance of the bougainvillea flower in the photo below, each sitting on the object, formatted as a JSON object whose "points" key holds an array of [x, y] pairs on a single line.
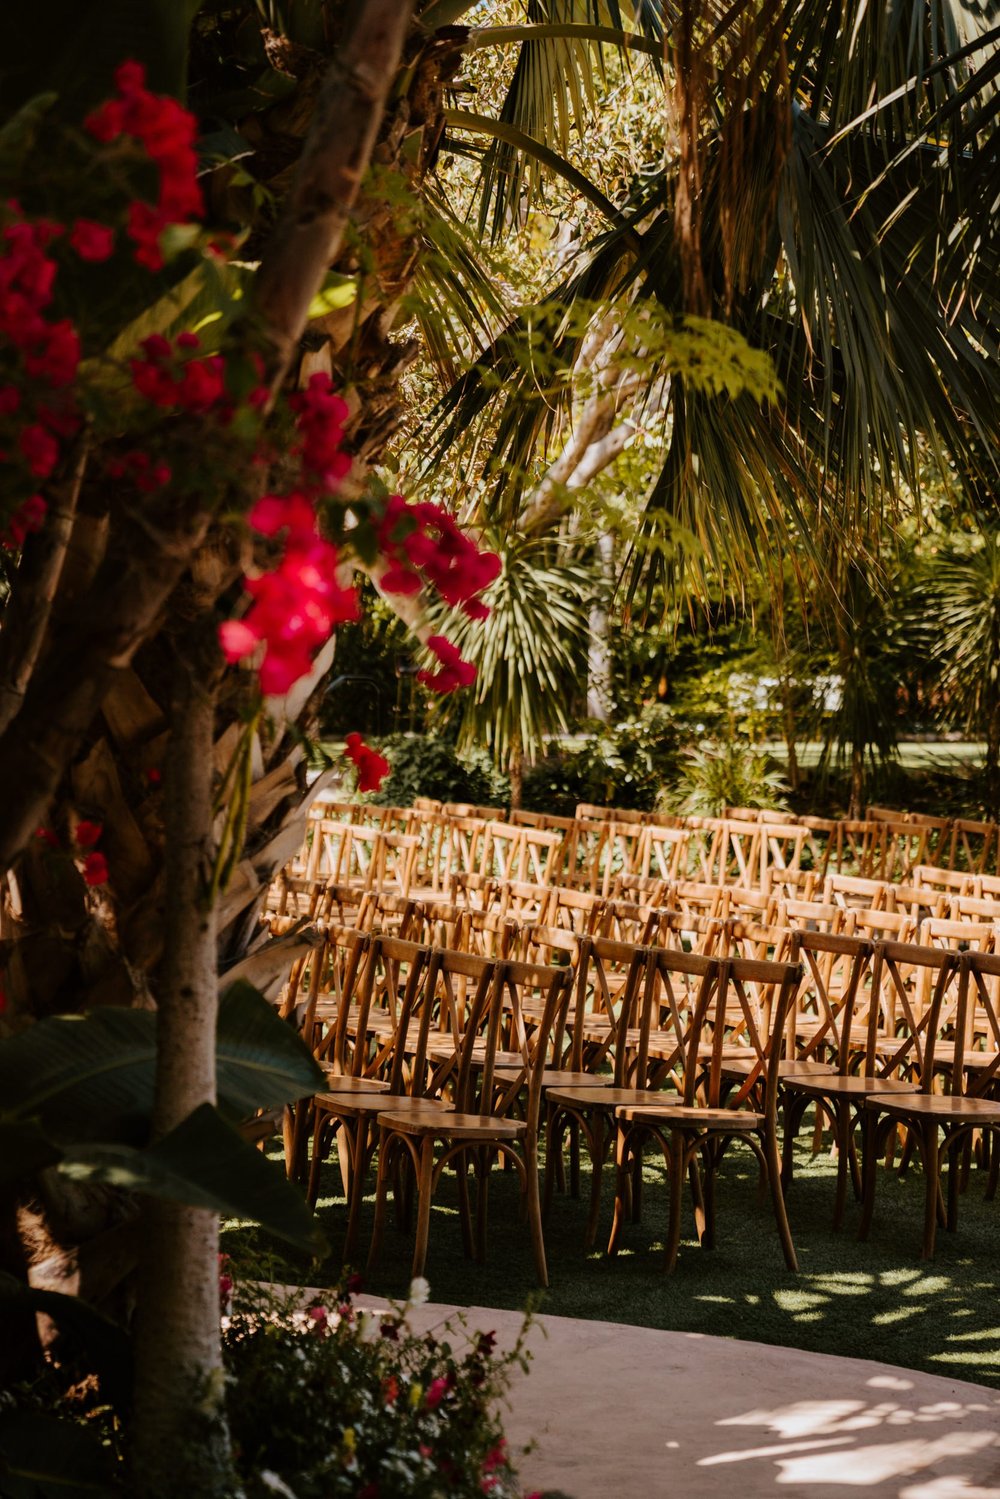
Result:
{"points": [[95, 869], [92, 241], [372, 767], [454, 672]]}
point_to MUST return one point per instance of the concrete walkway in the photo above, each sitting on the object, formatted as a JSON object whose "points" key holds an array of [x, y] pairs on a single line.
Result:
{"points": [[630, 1413]]}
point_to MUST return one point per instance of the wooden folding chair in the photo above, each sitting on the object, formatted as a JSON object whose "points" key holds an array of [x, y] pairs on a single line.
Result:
{"points": [[698, 1126]]}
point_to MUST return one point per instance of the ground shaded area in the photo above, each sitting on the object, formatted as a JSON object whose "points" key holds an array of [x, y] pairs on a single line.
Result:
{"points": [[875, 1300]]}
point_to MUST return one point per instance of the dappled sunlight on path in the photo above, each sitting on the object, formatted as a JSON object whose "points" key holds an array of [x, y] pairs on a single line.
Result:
{"points": [[637, 1413]]}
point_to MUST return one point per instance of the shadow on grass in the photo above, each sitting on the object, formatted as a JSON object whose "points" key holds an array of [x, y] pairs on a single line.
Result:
{"points": [[875, 1300]]}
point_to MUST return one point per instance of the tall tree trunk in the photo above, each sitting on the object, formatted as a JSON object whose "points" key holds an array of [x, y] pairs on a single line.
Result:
{"points": [[857, 780], [993, 762], [516, 773], [790, 728], [599, 691], [181, 1440]]}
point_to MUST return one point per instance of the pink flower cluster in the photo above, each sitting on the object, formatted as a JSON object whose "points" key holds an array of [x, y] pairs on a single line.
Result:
{"points": [[372, 767], [170, 377], [45, 355], [297, 604], [426, 547], [453, 673], [321, 417], [167, 131]]}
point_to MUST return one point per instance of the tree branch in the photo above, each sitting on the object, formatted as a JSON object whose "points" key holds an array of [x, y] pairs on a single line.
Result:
{"points": [[30, 607]]}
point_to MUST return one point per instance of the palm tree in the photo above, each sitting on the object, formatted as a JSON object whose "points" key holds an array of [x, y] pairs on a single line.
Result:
{"points": [[797, 212], [965, 589], [529, 653]]}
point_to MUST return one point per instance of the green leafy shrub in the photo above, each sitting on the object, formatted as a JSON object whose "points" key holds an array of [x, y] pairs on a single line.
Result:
{"points": [[426, 765], [732, 773], [331, 1400], [626, 764]]}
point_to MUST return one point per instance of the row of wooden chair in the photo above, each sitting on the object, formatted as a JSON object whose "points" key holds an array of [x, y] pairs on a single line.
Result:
{"points": [[424, 848], [864, 1020]]}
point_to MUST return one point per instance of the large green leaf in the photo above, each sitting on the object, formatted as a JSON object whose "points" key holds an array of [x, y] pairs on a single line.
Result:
{"points": [[90, 1077], [261, 1061], [206, 1163], [83, 1076]]}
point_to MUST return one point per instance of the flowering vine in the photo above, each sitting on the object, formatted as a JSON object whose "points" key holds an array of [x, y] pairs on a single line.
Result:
{"points": [[302, 593]]}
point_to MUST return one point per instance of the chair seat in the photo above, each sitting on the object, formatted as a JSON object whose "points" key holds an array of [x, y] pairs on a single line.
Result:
{"points": [[682, 1117], [353, 1104], [454, 1126], [974, 1061], [836, 1085], [602, 1098], [940, 1106], [794, 1067], [339, 1083], [557, 1077]]}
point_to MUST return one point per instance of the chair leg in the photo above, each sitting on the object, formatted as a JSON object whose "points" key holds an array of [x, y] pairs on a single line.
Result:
{"points": [[574, 1159], [360, 1153], [344, 1158], [319, 1132], [598, 1146], [553, 1157], [932, 1187], [535, 1214], [956, 1154], [676, 1185], [424, 1187], [869, 1130], [706, 1227], [843, 1129], [381, 1192], [464, 1210], [773, 1158], [621, 1185], [994, 1154], [483, 1165]]}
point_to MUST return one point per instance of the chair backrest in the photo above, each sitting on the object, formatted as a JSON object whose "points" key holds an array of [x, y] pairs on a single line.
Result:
{"points": [[949, 881], [758, 997], [834, 992], [449, 1004], [855, 890], [977, 1017], [902, 1014], [528, 1012], [973, 846], [662, 852]]}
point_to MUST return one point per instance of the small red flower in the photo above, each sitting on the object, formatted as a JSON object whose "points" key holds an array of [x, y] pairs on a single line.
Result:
{"points": [[436, 1391], [95, 869], [40, 450], [88, 834], [47, 836], [92, 241]]}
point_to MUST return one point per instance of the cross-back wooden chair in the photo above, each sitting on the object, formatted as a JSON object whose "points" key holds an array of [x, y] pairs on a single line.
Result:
{"points": [[953, 1099], [482, 1123], [973, 846], [883, 1029], [696, 1127], [603, 1027], [662, 853]]}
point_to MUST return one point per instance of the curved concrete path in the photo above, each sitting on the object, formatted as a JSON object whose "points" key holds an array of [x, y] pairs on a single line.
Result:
{"points": [[622, 1412]]}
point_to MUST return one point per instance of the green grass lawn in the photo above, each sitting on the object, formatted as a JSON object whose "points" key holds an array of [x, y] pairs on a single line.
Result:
{"points": [[874, 1300]]}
